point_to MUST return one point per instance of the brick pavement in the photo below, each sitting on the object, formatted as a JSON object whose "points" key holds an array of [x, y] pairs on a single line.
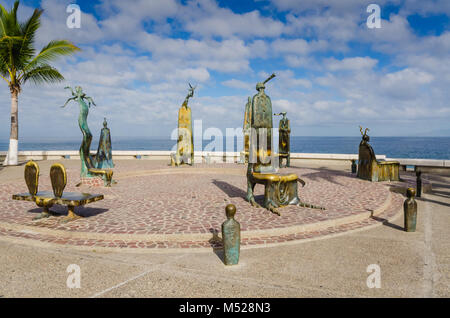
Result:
{"points": [[156, 206]]}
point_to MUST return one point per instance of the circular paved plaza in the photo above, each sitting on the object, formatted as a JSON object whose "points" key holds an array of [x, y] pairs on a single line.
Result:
{"points": [[160, 207]]}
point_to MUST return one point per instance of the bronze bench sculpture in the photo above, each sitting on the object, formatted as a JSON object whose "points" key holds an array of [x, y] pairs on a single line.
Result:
{"points": [[280, 189], [46, 199], [369, 168]]}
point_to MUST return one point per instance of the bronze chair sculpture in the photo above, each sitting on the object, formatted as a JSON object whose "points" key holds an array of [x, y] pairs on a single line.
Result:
{"points": [[369, 168], [280, 189]]}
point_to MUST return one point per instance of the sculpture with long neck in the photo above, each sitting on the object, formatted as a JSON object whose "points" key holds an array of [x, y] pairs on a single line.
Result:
{"points": [[87, 161]]}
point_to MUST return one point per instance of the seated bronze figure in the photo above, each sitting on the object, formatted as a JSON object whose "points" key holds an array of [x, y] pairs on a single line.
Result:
{"points": [[369, 168]]}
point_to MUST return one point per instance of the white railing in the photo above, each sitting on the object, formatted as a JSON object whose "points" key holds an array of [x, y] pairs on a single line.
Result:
{"points": [[212, 156]]}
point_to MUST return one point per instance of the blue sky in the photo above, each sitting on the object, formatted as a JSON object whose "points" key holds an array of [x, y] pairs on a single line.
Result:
{"points": [[333, 72]]}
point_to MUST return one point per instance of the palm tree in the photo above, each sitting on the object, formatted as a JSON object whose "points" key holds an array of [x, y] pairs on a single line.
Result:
{"points": [[19, 64]]}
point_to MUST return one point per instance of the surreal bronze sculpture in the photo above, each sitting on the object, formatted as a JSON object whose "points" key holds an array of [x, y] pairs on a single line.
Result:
{"points": [[280, 189], [89, 168], [284, 144], [231, 236], [369, 168], [410, 211], [185, 142], [246, 130], [104, 151], [46, 199]]}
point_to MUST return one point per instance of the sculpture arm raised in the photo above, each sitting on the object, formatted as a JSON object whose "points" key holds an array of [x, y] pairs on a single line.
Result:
{"points": [[190, 94], [269, 78], [71, 90], [68, 100], [74, 96], [90, 101]]}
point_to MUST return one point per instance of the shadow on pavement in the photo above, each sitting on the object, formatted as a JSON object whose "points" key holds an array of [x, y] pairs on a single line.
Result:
{"points": [[229, 189], [216, 244], [60, 210], [387, 223], [433, 201]]}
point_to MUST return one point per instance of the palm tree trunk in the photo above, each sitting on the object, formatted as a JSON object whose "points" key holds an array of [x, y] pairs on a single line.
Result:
{"points": [[12, 156]]}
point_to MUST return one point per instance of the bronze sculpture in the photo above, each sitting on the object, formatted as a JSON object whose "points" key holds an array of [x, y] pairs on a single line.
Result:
{"points": [[89, 163], [410, 211], [46, 199], [104, 151], [369, 168], [231, 236], [280, 189], [246, 129], [185, 142], [284, 144]]}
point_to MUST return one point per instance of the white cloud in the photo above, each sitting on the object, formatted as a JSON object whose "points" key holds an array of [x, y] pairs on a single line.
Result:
{"points": [[206, 18], [350, 63], [136, 66], [234, 83]]}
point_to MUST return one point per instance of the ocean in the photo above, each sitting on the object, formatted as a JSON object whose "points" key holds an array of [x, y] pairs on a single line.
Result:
{"points": [[392, 147]]}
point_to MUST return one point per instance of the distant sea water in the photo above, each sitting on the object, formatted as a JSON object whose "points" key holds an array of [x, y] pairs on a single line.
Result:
{"points": [[392, 147]]}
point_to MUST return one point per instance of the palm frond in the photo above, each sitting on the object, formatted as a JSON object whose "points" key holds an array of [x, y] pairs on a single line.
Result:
{"points": [[52, 51], [28, 31], [18, 61], [43, 73], [9, 25]]}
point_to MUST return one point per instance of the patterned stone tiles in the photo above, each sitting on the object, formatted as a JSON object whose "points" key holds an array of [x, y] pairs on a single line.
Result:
{"points": [[159, 207]]}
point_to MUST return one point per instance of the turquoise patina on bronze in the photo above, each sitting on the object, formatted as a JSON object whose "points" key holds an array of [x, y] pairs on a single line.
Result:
{"points": [[279, 189], [369, 168], [410, 210], [260, 151], [284, 142], [231, 236], [89, 163], [185, 142], [104, 151]]}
